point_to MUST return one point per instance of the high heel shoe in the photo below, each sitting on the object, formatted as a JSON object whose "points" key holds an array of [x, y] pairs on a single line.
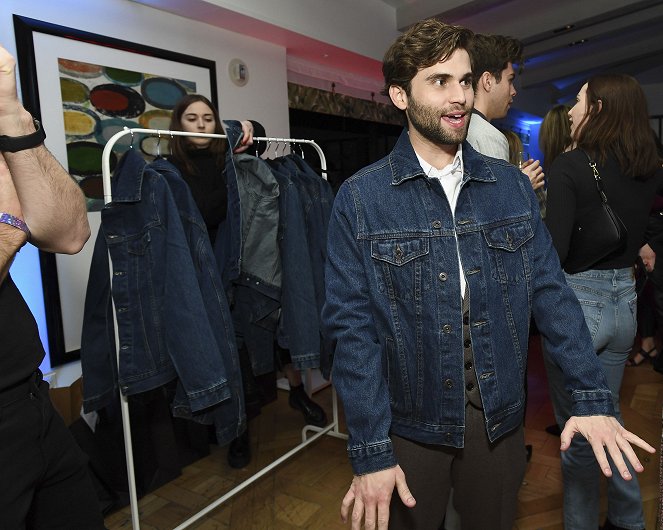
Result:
{"points": [[644, 356]]}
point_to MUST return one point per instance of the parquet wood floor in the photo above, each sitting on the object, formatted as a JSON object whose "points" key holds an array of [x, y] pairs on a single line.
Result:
{"points": [[305, 492]]}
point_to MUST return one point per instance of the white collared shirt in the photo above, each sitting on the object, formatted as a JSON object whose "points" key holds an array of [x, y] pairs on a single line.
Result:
{"points": [[450, 177]]}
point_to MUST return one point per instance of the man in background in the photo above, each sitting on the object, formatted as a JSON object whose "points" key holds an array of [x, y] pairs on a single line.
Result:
{"points": [[493, 57]]}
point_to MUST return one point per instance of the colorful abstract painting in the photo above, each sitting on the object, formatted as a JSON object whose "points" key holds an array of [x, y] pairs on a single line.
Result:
{"points": [[99, 101]]}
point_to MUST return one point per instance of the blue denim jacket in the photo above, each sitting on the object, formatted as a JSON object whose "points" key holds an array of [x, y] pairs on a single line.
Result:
{"points": [[257, 289], [393, 304], [299, 329], [173, 319]]}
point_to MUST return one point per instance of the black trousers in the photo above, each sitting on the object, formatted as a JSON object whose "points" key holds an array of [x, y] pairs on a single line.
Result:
{"points": [[485, 476], [44, 481]]}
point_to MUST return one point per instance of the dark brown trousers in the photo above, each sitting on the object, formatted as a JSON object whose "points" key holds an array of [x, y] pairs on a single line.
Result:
{"points": [[485, 476]]}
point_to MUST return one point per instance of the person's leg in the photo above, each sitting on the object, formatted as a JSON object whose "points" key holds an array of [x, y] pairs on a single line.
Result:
{"points": [[427, 471], [65, 497], [19, 457], [298, 399], [487, 476], [624, 497], [646, 326], [580, 472]]}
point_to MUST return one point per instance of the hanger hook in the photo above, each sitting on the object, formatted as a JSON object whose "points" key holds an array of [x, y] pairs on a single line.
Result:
{"points": [[131, 132], [158, 144]]}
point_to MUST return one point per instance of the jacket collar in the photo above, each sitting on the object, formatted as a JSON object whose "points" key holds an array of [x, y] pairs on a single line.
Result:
{"points": [[404, 164], [127, 178]]}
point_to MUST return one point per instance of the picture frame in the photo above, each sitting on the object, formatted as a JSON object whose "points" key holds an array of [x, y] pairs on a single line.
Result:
{"points": [[40, 46]]}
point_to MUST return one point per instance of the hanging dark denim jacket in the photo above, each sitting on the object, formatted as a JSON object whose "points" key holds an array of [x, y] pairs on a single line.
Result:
{"points": [[299, 329], [312, 193], [296, 331], [257, 290], [173, 320]]}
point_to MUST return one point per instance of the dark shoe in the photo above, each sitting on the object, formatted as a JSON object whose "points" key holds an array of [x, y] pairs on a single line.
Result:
{"points": [[313, 413], [239, 451], [609, 526], [554, 430], [644, 356]]}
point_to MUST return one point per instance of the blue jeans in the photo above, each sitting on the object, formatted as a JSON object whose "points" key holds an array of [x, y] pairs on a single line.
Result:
{"points": [[608, 300]]}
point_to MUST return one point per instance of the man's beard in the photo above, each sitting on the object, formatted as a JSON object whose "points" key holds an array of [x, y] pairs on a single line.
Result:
{"points": [[427, 121]]}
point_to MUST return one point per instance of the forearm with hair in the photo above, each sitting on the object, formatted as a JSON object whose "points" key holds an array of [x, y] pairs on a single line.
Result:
{"points": [[53, 205]]}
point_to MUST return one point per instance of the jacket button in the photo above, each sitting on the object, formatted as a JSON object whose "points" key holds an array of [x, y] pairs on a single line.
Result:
{"points": [[468, 365], [442, 276], [467, 343], [469, 387], [446, 328], [437, 224], [448, 437], [449, 383]]}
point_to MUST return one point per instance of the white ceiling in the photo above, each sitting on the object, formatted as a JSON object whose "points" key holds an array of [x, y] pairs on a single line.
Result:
{"points": [[565, 40]]}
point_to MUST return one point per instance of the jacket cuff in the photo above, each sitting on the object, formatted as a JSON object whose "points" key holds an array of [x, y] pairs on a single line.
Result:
{"points": [[371, 458], [593, 403]]}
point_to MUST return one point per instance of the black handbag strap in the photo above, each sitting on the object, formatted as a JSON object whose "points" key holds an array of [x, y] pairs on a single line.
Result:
{"points": [[597, 177]]}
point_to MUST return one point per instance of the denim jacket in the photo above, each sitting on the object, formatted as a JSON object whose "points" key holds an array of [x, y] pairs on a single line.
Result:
{"points": [[393, 306], [173, 319], [299, 329]]}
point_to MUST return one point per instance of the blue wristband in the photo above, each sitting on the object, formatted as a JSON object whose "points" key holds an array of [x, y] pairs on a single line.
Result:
{"points": [[9, 219]]}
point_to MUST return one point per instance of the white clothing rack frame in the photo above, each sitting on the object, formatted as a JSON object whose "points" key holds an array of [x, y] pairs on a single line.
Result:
{"points": [[331, 429]]}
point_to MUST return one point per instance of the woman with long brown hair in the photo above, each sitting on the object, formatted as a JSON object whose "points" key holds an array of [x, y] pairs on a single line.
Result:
{"points": [[554, 134], [609, 125], [202, 160]]}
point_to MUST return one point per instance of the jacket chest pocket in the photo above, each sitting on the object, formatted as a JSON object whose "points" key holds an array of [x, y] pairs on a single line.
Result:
{"points": [[509, 260], [402, 267]]}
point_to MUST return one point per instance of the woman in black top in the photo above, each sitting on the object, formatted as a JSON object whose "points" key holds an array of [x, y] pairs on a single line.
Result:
{"points": [[202, 160], [610, 124]]}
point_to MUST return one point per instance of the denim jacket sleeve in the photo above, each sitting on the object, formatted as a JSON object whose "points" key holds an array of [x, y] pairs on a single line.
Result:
{"points": [[561, 322], [357, 371]]}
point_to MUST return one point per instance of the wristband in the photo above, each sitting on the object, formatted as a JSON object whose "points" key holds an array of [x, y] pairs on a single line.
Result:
{"points": [[9, 219], [27, 141]]}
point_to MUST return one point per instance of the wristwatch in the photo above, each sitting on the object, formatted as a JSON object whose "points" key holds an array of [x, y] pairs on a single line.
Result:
{"points": [[27, 141]]}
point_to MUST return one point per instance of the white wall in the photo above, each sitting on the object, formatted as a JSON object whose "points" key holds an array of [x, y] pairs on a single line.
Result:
{"points": [[264, 98]]}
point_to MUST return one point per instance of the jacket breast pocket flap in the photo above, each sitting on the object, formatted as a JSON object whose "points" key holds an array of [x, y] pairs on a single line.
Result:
{"points": [[399, 252], [509, 237]]}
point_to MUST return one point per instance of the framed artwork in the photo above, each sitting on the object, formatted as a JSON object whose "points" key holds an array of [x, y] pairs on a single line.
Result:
{"points": [[84, 88]]}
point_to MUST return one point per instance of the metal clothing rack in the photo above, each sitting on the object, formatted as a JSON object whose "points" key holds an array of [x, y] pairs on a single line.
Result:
{"points": [[331, 429]]}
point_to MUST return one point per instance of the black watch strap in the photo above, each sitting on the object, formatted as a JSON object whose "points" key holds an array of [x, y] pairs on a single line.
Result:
{"points": [[13, 144]]}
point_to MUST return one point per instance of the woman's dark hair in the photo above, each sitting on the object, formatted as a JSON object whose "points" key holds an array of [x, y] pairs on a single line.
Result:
{"points": [[555, 133], [179, 145], [515, 146], [617, 122], [423, 45]]}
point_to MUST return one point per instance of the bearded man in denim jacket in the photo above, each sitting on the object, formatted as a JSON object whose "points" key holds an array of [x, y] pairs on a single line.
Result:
{"points": [[437, 259]]}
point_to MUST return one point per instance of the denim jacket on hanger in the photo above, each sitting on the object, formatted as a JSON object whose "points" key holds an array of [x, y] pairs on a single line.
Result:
{"points": [[257, 290], [297, 331], [173, 319]]}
